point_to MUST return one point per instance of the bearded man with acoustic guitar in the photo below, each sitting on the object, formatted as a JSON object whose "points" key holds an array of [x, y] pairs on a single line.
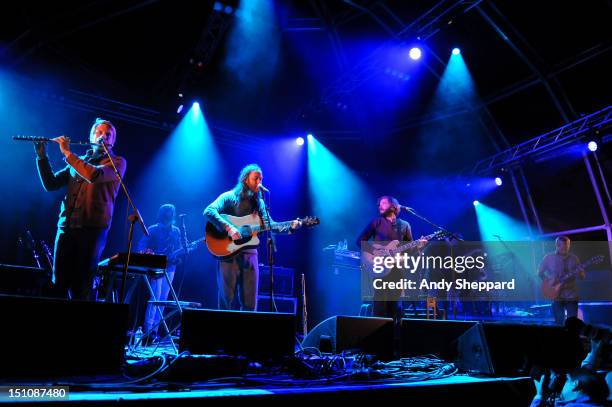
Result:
{"points": [[559, 272], [239, 272]]}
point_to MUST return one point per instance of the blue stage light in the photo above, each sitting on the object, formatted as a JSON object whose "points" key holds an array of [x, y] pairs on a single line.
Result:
{"points": [[309, 137], [196, 105], [456, 51], [179, 109], [476, 203], [299, 141], [592, 146], [498, 181]]}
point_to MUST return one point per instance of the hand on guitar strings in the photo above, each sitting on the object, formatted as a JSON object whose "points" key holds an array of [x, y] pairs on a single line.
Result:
{"points": [[234, 233]]}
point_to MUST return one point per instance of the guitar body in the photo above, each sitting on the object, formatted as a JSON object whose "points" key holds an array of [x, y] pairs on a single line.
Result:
{"points": [[222, 246], [550, 289], [367, 259], [390, 250]]}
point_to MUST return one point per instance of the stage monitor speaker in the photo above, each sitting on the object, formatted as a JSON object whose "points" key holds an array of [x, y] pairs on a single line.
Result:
{"points": [[23, 280], [431, 336], [503, 349], [347, 333], [44, 337], [257, 335]]}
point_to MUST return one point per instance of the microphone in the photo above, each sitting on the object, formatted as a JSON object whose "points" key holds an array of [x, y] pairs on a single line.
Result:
{"points": [[406, 208], [262, 188], [100, 141], [182, 215]]}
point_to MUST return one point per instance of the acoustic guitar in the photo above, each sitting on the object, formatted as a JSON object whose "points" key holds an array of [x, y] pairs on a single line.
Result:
{"points": [[223, 246]]}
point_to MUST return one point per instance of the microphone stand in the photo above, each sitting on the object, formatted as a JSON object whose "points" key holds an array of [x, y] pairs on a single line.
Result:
{"points": [[455, 236], [133, 218], [271, 243], [185, 251]]}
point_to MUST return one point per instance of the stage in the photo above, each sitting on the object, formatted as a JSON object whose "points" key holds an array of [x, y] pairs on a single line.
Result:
{"points": [[319, 200], [456, 390]]}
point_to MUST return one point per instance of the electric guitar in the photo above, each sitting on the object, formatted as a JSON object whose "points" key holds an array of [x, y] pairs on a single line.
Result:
{"points": [[551, 287], [223, 246], [390, 250]]}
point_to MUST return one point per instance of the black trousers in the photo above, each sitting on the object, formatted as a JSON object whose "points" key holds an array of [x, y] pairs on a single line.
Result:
{"points": [[560, 307], [76, 256], [386, 302]]}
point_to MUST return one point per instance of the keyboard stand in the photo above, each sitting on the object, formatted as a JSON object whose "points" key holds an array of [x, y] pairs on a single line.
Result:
{"points": [[114, 273]]}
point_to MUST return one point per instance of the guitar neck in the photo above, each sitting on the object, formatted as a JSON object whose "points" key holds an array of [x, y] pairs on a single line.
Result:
{"points": [[409, 245], [577, 270], [188, 247], [276, 226]]}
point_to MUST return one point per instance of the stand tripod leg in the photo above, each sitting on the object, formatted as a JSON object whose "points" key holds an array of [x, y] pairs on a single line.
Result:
{"points": [[161, 314], [174, 296]]}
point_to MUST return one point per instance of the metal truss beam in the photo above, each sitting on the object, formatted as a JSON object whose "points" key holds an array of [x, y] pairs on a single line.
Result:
{"points": [[546, 142]]}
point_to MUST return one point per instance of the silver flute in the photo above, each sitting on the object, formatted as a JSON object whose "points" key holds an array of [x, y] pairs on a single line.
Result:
{"points": [[40, 139]]}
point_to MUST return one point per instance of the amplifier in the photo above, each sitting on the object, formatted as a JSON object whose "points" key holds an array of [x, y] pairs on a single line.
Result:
{"points": [[283, 303], [284, 280], [22, 280]]}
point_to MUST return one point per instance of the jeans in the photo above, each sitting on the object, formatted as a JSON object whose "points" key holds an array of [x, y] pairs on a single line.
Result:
{"points": [[161, 289], [239, 275], [559, 307]]}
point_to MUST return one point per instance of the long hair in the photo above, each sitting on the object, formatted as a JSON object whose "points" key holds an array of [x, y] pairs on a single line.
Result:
{"points": [[241, 188], [164, 209], [394, 202]]}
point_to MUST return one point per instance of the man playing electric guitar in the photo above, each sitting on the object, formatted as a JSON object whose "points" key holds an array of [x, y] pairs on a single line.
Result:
{"points": [[164, 238], [386, 228], [562, 267], [240, 270]]}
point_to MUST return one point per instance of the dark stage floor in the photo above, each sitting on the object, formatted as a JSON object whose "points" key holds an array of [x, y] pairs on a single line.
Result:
{"points": [[455, 390]]}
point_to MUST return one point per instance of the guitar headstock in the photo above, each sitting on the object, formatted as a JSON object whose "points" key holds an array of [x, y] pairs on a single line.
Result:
{"points": [[595, 260], [440, 235], [309, 221]]}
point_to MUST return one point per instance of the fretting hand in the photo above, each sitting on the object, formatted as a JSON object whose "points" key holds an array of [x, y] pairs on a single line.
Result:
{"points": [[421, 242]]}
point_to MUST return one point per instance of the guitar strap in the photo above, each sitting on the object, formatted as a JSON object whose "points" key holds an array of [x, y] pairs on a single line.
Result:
{"points": [[262, 212], [398, 229], [565, 266]]}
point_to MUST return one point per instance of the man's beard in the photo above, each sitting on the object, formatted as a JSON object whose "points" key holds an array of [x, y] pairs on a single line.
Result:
{"points": [[247, 192], [388, 212]]}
